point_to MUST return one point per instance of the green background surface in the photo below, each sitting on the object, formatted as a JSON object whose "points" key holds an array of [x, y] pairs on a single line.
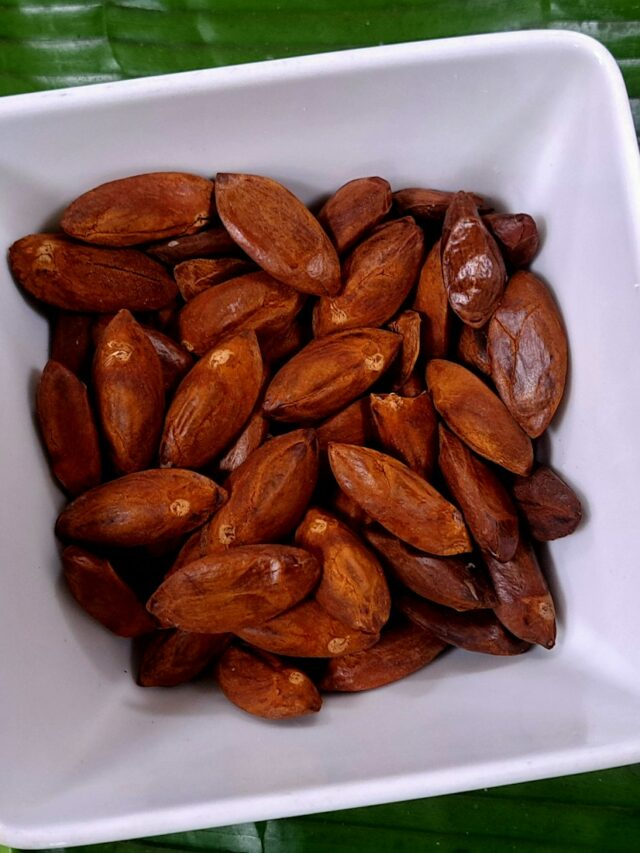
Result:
{"points": [[47, 45]]}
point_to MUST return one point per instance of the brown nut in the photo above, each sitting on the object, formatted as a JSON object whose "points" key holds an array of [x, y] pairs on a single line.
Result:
{"points": [[516, 235], [409, 325], [175, 657], [472, 349], [551, 507], [278, 348], [214, 241], [199, 274], [71, 341], [432, 303], [347, 509], [354, 209], [407, 428], [352, 425], [175, 361], [251, 437], [428, 204]]}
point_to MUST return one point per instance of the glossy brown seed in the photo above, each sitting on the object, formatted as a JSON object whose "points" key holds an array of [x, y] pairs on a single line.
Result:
{"points": [[432, 303], [214, 241], [485, 503], [68, 275], [400, 500], [254, 301], [212, 403], [278, 232], [451, 581], [516, 235], [401, 650], [407, 428], [528, 351], [71, 341], [278, 348], [409, 325], [354, 209], [175, 361], [352, 585], [329, 373], [379, 275], [347, 509], [129, 388], [551, 507], [525, 605], [426, 203], [192, 277], [251, 437], [474, 630], [68, 429], [478, 416], [472, 349], [103, 594], [472, 266], [307, 631], [140, 208], [352, 425], [141, 508], [269, 493], [265, 686], [175, 657], [234, 589]]}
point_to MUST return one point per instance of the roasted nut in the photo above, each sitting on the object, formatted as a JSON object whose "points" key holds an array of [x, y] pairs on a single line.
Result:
{"points": [[407, 428], [199, 274], [409, 325], [71, 341], [472, 349], [428, 204], [175, 657], [551, 507], [432, 302], [516, 235], [352, 425], [214, 241], [354, 209]]}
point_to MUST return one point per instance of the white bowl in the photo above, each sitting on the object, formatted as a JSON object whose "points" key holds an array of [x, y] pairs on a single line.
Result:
{"points": [[537, 121]]}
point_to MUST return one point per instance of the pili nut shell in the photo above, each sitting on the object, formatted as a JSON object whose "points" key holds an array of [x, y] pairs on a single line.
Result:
{"points": [[472, 266], [472, 349], [129, 388], [450, 581], [234, 589], [414, 386], [175, 657], [103, 595], [212, 403], [265, 686], [399, 499], [432, 303], [516, 235], [408, 429], [401, 650], [478, 416], [140, 208], [485, 503], [254, 301], [278, 232], [354, 209], [269, 493], [307, 631], [525, 605], [353, 425], [175, 361], [529, 353], [68, 429], [71, 342], [352, 585], [277, 348], [141, 508], [473, 630], [199, 274], [349, 510], [426, 203], [379, 275], [409, 325], [87, 278], [213, 241], [251, 437], [329, 373], [551, 507]]}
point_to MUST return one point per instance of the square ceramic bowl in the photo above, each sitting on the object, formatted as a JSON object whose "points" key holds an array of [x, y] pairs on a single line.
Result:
{"points": [[539, 122]]}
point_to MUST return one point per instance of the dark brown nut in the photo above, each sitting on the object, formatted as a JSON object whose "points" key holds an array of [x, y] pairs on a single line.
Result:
{"points": [[357, 207], [234, 589], [263, 685], [329, 373], [71, 341], [255, 301], [249, 440], [352, 585], [485, 503], [451, 581], [379, 275], [68, 275], [516, 235], [269, 493], [140, 208], [349, 510], [525, 605], [399, 500], [214, 241], [551, 507], [278, 232], [401, 650], [478, 417], [103, 595], [278, 348], [408, 429], [408, 324], [529, 352], [472, 349], [432, 302], [474, 630], [68, 429], [129, 388], [175, 361], [413, 387], [428, 204], [190, 551], [307, 631], [141, 508], [199, 274], [175, 657], [212, 403], [472, 266], [352, 425]]}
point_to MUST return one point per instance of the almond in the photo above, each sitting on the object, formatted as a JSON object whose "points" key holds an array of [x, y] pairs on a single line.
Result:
{"points": [[175, 657], [214, 241], [472, 349], [71, 341], [426, 203], [251, 437], [354, 209], [407, 428], [195, 276], [516, 235], [551, 507], [352, 425], [409, 325], [432, 302]]}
